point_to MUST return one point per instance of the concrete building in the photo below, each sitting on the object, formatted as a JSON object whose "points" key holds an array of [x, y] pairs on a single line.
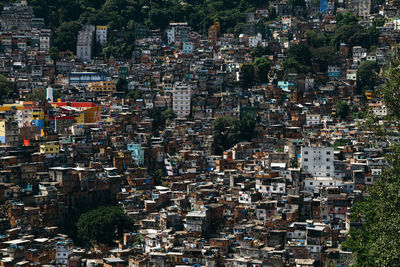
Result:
{"points": [[181, 99], [318, 161], [137, 153], [85, 43], [361, 8], [63, 251], [101, 35]]}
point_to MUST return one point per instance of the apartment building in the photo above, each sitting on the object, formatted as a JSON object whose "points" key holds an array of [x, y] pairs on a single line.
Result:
{"points": [[318, 161], [181, 99], [85, 43]]}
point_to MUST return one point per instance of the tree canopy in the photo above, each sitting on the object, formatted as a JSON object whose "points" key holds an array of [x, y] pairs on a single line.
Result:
{"points": [[374, 234], [342, 110], [103, 225], [6, 88], [263, 67], [228, 131], [367, 75]]}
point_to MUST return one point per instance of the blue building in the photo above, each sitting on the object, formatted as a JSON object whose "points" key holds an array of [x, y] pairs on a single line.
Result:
{"points": [[137, 153], [323, 6], [333, 72], [84, 78], [187, 47]]}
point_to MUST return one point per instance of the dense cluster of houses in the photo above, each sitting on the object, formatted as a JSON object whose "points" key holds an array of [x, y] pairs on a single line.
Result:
{"points": [[282, 198]]}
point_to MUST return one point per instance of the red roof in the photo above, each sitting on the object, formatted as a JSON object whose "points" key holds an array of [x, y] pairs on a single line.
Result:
{"points": [[75, 104]]}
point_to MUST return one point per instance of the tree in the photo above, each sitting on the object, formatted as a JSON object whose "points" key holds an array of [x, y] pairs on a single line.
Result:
{"points": [[134, 94], [263, 67], [325, 56], [246, 128], [367, 75], [67, 35], [168, 114], [157, 176], [342, 110], [103, 225], [228, 131], [160, 118], [53, 52], [6, 88], [260, 51], [390, 89], [340, 142], [298, 60], [248, 77], [374, 235], [121, 85], [225, 133], [376, 241]]}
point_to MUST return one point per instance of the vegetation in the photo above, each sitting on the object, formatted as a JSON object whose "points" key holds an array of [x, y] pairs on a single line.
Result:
{"points": [[298, 60], [340, 142], [160, 118], [121, 85], [367, 75], [157, 176], [228, 131], [390, 90], [6, 88], [342, 110], [247, 75], [262, 68], [39, 94], [103, 225], [376, 242], [122, 16]]}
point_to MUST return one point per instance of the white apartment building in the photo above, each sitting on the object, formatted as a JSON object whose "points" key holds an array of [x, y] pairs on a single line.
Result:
{"points": [[85, 43], [101, 35], [313, 185], [63, 251], [181, 99], [44, 42], [313, 119], [318, 161]]}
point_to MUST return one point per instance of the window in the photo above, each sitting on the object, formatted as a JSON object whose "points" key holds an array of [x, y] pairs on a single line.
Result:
{"points": [[306, 159], [328, 152], [305, 152]]}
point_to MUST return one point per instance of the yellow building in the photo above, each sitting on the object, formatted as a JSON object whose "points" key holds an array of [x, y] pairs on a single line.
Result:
{"points": [[102, 87], [50, 149]]}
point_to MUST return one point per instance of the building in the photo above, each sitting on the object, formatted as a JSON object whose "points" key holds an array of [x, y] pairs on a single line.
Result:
{"points": [[84, 78], [137, 153], [197, 221], [64, 249], [8, 132], [313, 119], [318, 161], [101, 35], [361, 8], [102, 87], [84, 44], [181, 99], [50, 149], [333, 72]]}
